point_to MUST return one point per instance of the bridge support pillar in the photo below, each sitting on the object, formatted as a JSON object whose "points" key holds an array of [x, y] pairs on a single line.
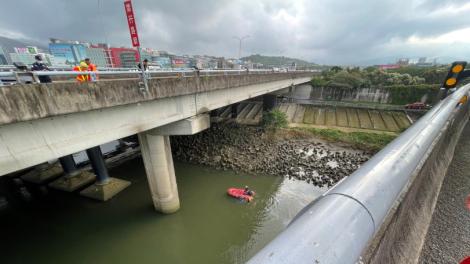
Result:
{"points": [[74, 179], [234, 110], [269, 102], [156, 152], [68, 165], [158, 161], [105, 187]]}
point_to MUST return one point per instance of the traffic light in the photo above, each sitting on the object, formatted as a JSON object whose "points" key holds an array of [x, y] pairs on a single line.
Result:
{"points": [[455, 74]]}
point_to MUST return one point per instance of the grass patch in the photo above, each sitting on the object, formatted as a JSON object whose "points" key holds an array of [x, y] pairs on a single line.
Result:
{"points": [[274, 119], [361, 140]]}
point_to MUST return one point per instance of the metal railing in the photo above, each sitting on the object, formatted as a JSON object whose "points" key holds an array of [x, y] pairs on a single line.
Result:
{"points": [[337, 227], [126, 72]]}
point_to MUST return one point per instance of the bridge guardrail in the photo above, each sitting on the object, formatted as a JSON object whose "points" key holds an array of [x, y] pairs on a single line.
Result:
{"points": [[338, 226], [149, 74]]}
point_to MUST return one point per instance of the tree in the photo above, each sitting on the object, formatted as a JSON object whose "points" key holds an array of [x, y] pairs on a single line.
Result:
{"points": [[347, 80], [336, 69], [319, 82]]}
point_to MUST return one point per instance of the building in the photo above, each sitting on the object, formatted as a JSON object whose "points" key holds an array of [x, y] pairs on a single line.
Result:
{"points": [[403, 61], [148, 53], [24, 58], [388, 66], [3, 57], [161, 61], [29, 59], [67, 53], [178, 62], [98, 56], [48, 58], [124, 57], [222, 63]]}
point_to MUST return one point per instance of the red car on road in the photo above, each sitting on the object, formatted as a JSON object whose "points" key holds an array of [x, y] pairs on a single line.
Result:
{"points": [[417, 105]]}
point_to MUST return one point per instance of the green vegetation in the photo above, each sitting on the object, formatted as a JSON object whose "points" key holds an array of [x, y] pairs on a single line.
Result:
{"points": [[274, 119], [432, 75], [353, 78], [277, 61], [361, 140], [406, 84], [404, 94]]}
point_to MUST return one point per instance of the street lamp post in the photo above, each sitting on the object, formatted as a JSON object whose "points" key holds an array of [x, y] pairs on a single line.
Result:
{"points": [[240, 39]]}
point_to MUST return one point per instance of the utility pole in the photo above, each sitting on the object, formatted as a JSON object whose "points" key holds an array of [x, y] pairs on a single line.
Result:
{"points": [[106, 48], [240, 39], [135, 40]]}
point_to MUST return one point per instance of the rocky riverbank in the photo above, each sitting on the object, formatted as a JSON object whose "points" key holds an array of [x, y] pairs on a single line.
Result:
{"points": [[285, 153]]}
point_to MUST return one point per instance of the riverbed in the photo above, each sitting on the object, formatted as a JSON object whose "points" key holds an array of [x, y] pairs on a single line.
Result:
{"points": [[210, 227]]}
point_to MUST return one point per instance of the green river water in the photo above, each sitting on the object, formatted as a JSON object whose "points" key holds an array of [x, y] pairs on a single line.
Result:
{"points": [[209, 228]]}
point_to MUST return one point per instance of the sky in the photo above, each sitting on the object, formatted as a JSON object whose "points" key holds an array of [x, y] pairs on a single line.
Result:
{"points": [[330, 32]]}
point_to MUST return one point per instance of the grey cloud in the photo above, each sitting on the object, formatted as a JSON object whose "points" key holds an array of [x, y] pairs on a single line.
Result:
{"points": [[326, 31]]}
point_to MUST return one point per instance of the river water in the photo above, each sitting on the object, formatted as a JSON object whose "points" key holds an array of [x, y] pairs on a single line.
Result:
{"points": [[210, 227]]}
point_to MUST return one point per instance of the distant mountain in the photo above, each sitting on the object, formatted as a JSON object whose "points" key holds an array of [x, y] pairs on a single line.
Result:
{"points": [[276, 61], [9, 44]]}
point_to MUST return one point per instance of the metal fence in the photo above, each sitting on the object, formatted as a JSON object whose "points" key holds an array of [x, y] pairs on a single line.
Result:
{"points": [[337, 227], [10, 76]]}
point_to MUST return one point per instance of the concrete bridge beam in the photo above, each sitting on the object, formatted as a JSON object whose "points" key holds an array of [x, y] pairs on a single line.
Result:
{"points": [[158, 161]]}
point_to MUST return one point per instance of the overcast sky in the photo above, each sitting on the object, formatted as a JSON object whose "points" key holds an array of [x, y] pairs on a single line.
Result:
{"points": [[322, 31]]}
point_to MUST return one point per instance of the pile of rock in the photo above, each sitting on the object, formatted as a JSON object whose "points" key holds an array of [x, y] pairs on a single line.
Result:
{"points": [[250, 149]]}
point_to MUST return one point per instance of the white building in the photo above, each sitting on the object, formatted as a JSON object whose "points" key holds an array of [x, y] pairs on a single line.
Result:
{"points": [[25, 58]]}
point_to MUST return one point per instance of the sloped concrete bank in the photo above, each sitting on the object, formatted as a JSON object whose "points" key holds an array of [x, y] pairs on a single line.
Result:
{"points": [[285, 153]]}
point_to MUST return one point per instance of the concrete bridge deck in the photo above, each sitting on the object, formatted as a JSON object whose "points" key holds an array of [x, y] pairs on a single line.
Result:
{"points": [[40, 122]]}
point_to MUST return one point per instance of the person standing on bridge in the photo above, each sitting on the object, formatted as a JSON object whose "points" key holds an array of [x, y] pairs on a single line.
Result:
{"points": [[81, 68], [92, 68], [39, 65], [146, 65], [145, 62]]}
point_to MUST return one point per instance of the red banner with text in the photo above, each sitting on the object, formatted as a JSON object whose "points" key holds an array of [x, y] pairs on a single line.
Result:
{"points": [[131, 23]]}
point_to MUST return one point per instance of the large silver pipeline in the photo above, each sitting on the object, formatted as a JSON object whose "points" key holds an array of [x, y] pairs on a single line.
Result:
{"points": [[337, 227]]}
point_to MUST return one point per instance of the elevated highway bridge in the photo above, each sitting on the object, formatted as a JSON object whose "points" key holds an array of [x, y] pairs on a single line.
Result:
{"points": [[41, 122], [379, 214]]}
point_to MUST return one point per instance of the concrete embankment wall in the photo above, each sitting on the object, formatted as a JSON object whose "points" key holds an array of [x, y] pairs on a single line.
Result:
{"points": [[383, 95], [348, 117], [402, 235], [378, 95]]}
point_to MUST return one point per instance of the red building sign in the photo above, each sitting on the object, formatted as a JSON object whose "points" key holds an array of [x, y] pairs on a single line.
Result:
{"points": [[131, 23]]}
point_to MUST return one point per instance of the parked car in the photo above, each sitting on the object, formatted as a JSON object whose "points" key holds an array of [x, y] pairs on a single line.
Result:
{"points": [[416, 105]]}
